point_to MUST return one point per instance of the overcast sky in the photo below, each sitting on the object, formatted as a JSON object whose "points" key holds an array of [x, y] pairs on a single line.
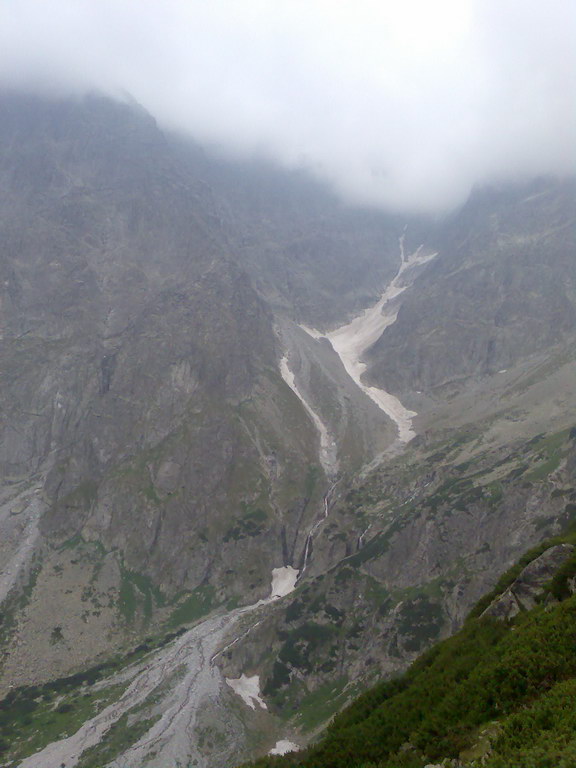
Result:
{"points": [[401, 104]]}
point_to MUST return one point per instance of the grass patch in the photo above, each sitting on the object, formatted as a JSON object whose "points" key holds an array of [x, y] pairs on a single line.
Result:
{"points": [[550, 450], [37, 716], [199, 603], [484, 673], [320, 705], [137, 596]]}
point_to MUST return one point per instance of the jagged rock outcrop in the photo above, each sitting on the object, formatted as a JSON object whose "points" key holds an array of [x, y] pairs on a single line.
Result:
{"points": [[523, 594], [140, 391]]}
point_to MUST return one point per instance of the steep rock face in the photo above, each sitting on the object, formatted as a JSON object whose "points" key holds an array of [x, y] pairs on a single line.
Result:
{"points": [[99, 249], [140, 391], [522, 595], [503, 287], [120, 312], [169, 466]]}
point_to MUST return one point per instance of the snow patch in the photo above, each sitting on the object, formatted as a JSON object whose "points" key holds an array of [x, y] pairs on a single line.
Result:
{"points": [[312, 331], [283, 747], [248, 688], [351, 341], [283, 581], [328, 446]]}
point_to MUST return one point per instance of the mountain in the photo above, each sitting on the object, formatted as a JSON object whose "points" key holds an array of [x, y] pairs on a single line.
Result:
{"points": [[259, 449]]}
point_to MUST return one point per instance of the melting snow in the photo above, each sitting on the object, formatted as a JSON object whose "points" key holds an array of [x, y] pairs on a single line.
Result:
{"points": [[173, 734], [248, 688], [351, 341], [283, 581], [327, 445], [284, 746]]}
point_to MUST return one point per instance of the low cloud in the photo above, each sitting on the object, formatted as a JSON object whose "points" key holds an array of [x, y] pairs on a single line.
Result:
{"points": [[397, 104]]}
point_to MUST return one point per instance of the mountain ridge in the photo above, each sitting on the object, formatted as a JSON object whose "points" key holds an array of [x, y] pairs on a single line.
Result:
{"points": [[158, 468]]}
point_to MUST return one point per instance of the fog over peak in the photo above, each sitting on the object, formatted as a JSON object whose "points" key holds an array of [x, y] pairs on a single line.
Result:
{"points": [[401, 105]]}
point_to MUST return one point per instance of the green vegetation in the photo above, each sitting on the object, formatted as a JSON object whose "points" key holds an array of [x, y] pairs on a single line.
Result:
{"points": [[312, 477], [502, 692], [32, 717], [301, 643], [200, 602], [421, 620], [251, 523], [550, 450], [321, 704], [137, 595]]}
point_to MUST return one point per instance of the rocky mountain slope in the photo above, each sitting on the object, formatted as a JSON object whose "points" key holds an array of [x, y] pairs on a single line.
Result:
{"points": [[150, 447], [210, 515], [401, 559], [499, 693], [503, 290]]}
